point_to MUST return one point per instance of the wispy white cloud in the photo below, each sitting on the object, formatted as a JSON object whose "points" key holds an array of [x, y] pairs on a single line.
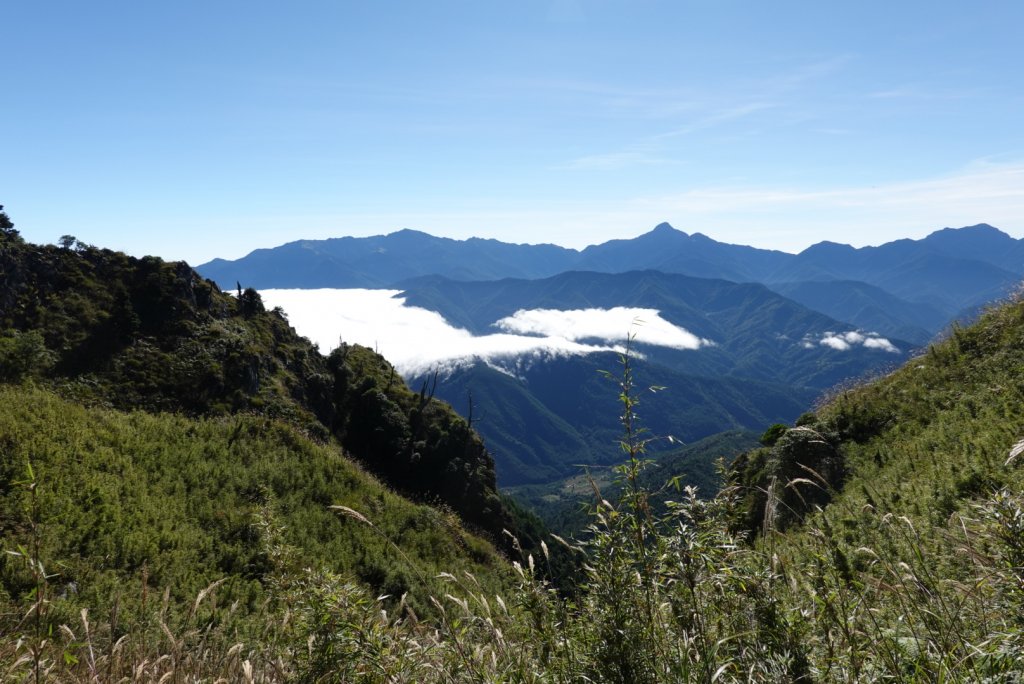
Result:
{"points": [[418, 341], [718, 117], [914, 92], [811, 71], [653, 149], [698, 111], [978, 183], [616, 160], [834, 131], [612, 99]]}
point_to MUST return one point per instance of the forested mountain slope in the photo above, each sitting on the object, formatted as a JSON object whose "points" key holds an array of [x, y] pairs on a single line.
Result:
{"points": [[112, 330], [561, 414], [768, 359], [868, 307]]}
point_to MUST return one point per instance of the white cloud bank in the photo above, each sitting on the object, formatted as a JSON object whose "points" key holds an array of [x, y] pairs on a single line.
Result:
{"points": [[602, 324], [845, 341], [417, 340]]}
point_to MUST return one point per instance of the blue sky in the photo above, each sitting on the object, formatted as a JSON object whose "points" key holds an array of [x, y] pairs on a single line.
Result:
{"points": [[201, 129]]}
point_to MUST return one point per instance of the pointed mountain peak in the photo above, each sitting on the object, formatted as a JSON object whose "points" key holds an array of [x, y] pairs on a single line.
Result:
{"points": [[664, 231], [665, 228]]}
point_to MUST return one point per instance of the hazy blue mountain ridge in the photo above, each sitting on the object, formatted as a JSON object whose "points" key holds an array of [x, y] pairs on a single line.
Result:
{"points": [[946, 273], [905, 268], [981, 243], [673, 251], [383, 260]]}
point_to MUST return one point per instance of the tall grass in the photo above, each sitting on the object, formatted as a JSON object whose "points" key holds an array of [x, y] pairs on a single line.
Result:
{"points": [[862, 590], [694, 604]]}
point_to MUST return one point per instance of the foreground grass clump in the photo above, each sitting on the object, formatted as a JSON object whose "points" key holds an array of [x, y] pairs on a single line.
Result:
{"points": [[670, 599]]}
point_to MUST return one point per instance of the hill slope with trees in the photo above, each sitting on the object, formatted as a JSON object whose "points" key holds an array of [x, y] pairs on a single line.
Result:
{"points": [[111, 330]]}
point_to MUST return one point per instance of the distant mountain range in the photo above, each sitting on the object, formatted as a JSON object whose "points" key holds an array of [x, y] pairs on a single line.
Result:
{"points": [[906, 288], [782, 327]]}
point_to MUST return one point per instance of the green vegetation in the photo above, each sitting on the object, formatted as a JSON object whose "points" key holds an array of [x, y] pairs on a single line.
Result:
{"points": [[564, 506], [879, 539], [921, 442], [544, 427], [106, 329], [843, 592], [182, 501]]}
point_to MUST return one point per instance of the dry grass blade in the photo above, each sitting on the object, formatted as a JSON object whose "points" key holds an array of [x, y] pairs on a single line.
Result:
{"points": [[203, 593], [802, 480], [824, 483], [351, 513], [247, 670], [564, 543], [1016, 451]]}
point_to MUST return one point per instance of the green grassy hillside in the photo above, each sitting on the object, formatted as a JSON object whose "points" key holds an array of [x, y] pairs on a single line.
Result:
{"points": [[894, 514], [185, 498], [165, 532], [107, 329], [923, 441]]}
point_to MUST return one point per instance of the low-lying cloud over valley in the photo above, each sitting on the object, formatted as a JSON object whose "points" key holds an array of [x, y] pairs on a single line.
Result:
{"points": [[418, 341], [604, 324]]}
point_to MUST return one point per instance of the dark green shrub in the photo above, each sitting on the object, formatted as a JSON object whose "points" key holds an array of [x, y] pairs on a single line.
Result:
{"points": [[772, 434]]}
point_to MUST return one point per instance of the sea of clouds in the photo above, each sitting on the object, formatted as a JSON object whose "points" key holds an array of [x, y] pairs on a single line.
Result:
{"points": [[417, 341]]}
